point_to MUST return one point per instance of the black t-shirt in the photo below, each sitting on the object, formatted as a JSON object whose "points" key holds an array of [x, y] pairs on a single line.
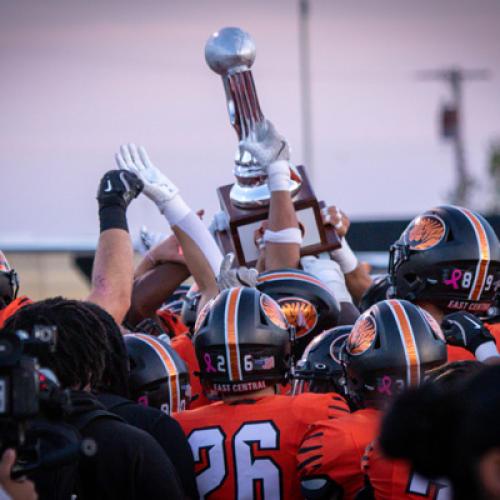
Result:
{"points": [[167, 432], [129, 463]]}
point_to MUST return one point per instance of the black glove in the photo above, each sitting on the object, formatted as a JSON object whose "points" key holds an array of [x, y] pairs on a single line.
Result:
{"points": [[118, 187], [116, 190], [465, 330]]}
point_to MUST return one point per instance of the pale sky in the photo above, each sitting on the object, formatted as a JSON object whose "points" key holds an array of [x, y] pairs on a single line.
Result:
{"points": [[80, 78]]}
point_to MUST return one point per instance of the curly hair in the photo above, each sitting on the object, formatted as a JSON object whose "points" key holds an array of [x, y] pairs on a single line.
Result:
{"points": [[80, 356]]}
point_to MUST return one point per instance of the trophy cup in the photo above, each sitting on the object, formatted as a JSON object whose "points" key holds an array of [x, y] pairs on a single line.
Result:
{"points": [[230, 53]]}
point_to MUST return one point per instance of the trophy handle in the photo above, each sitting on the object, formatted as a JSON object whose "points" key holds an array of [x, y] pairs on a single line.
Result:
{"points": [[242, 103]]}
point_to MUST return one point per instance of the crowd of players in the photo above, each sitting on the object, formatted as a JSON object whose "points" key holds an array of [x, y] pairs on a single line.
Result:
{"points": [[301, 378]]}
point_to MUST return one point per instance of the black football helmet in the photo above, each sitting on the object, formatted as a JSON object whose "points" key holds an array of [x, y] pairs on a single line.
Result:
{"points": [[376, 292], [158, 376], [448, 256], [242, 342], [391, 347], [9, 282], [308, 304], [320, 369]]}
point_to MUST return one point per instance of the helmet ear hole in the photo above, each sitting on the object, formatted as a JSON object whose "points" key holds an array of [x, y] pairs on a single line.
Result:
{"points": [[450, 236], [411, 278]]}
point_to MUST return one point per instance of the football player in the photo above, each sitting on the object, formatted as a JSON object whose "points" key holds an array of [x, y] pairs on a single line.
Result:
{"points": [[244, 446], [307, 303], [393, 479], [320, 369], [447, 260], [158, 376], [391, 347], [9, 288]]}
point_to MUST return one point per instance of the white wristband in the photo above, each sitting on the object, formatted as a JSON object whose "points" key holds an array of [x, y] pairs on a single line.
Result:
{"points": [[486, 351], [345, 257], [174, 210], [278, 174], [288, 235]]}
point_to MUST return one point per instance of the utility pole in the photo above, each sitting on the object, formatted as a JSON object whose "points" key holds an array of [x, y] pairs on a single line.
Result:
{"points": [[305, 85], [452, 122]]}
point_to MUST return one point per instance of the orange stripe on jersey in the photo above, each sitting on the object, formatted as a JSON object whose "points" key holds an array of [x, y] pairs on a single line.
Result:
{"points": [[292, 275], [408, 341], [232, 341], [484, 255], [167, 360]]}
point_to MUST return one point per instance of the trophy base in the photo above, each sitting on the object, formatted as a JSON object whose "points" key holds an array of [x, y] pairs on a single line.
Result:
{"points": [[243, 222], [255, 197]]}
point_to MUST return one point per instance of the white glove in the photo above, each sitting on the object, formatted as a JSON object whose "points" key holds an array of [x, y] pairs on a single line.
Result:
{"points": [[157, 186], [147, 240], [268, 146], [229, 277]]}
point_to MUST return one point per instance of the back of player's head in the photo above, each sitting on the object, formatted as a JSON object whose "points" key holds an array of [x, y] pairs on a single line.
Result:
{"points": [[307, 303], [448, 256], [444, 428], [79, 359], [391, 347], [242, 342], [9, 284], [320, 369], [115, 376], [158, 376]]}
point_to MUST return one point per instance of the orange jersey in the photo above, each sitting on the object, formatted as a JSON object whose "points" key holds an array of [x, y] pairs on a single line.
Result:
{"points": [[333, 449], [456, 353], [12, 308], [246, 449], [494, 329], [185, 349], [395, 480]]}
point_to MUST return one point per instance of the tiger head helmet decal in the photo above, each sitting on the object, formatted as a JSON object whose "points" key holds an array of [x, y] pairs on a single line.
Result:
{"points": [[362, 335], [425, 232], [300, 313]]}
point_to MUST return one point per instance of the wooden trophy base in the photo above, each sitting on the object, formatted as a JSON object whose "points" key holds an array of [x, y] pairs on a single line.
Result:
{"points": [[239, 239]]}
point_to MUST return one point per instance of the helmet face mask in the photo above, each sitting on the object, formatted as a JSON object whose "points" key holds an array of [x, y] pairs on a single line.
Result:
{"points": [[391, 347], [9, 281], [450, 257], [158, 376], [320, 369], [242, 342]]}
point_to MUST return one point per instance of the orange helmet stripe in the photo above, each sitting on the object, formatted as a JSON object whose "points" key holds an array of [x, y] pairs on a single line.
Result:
{"points": [[484, 255], [232, 340], [291, 275], [173, 379], [408, 342]]}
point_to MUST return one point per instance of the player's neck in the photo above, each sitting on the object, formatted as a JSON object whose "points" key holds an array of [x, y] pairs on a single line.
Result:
{"points": [[433, 310], [267, 391]]}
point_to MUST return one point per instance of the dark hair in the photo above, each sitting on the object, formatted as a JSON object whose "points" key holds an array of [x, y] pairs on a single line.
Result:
{"points": [[116, 370], [79, 359], [444, 428]]}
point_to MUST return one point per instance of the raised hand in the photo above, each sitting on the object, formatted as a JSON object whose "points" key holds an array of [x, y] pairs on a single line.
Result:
{"points": [[268, 145], [229, 277], [118, 188], [158, 187]]}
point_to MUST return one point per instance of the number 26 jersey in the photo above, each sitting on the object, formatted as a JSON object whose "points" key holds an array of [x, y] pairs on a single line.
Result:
{"points": [[247, 449]]}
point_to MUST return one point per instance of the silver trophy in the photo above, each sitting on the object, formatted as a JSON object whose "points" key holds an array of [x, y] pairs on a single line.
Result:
{"points": [[230, 52]]}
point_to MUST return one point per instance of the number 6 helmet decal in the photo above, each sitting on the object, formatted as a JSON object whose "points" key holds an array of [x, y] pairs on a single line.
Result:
{"points": [[243, 342], [449, 256]]}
